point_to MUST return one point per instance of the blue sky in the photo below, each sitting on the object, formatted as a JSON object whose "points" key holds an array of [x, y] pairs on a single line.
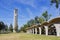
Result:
{"points": [[27, 9]]}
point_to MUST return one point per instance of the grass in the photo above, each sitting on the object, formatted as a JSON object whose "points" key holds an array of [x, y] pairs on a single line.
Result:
{"points": [[24, 36]]}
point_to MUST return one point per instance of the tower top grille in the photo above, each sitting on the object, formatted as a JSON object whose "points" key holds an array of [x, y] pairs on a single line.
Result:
{"points": [[16, 10]]}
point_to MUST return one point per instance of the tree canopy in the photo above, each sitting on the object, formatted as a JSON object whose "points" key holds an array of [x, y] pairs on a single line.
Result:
{"points": [[57, 2], [2, 25]]}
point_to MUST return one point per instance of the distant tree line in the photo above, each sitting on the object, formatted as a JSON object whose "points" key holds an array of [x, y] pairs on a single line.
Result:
{"points": [[4, 28]]}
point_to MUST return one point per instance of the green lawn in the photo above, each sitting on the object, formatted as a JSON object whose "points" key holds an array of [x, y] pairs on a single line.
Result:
{"points": [[24, 36]]}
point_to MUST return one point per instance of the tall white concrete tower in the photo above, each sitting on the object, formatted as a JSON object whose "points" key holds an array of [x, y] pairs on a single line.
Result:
{"points": [[15, 20]]}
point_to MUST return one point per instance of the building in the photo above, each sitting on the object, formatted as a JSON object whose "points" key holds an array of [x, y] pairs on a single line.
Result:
{"points": [[52, 27], [15, 26]]}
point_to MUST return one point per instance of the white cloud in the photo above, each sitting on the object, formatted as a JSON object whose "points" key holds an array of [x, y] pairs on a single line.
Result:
{"points": [[27, 2], [22, 16], [44, 9], [30, 13]]}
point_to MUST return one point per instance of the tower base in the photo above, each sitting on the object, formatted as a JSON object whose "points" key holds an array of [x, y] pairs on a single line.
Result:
{"points": [[14, 31]]}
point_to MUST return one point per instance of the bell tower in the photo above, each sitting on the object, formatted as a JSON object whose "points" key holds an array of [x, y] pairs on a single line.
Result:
{"points": [[15, 27]]}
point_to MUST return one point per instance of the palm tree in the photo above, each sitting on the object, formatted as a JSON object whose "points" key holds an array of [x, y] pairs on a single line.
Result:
{"points": [[46, 16]]}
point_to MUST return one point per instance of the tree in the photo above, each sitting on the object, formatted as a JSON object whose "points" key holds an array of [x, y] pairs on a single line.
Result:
{"points": [[41, 20], [11, 28], [6, 27], [2, 25], [57, 2], [37, 20], [24, 28], [46, 16], [31, 22]]}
